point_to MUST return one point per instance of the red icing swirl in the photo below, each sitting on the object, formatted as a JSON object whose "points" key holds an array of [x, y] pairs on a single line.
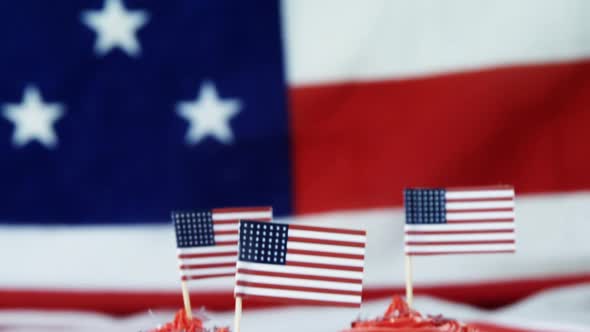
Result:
{"points": [[399, 317], [182, 324]]}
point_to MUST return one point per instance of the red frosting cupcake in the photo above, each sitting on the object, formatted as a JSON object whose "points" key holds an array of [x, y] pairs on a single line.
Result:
{"points": [[182, 324], [399, 317]]}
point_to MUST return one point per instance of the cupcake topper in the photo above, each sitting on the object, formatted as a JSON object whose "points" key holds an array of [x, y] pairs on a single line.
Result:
{"points": [[300, 264], [207, 243], [470, 220]]}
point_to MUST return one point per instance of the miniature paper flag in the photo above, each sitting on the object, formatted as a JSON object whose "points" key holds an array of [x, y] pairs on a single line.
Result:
{"points": [[207, 241], [459, 221], [300, 264]]}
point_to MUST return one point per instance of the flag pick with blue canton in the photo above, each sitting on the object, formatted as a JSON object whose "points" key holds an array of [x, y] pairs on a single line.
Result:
{"points": [[193, 229], [468, 220], [207, 240]]}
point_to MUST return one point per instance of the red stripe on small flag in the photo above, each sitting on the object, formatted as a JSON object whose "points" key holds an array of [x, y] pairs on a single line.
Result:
{"points": [[206, 266], [226, 243], [242, 209], [323, 253], [435, 243], [228, 232], [298, 301], [480, 210], [327, 229], [205, 255], [297, 288], [470, 200], [237, 221], [225, 222], [207, 276], [299, 276], [328, 242], [469, 221], [327, 266], [488, 231], [432, 253]]}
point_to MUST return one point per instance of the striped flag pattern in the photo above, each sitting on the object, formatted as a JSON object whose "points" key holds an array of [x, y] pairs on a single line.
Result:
{"points": [[459, 221], [300, 264], [207, 241]]}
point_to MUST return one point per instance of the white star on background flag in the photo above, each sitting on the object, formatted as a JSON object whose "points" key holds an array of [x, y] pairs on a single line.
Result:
{"points": [[33, 119], [116, 26], [209, 115]]}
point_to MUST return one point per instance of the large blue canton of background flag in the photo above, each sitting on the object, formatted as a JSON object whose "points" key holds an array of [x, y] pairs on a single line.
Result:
{"points": [[121, 152]]}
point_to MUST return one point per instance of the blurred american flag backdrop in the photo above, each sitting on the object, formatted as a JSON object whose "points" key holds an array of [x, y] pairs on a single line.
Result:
{"points": [[115, 112]]}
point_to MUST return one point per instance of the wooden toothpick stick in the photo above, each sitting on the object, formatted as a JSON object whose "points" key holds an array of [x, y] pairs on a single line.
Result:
{"points": [[238, 314], [187, 300], [409, 286]]}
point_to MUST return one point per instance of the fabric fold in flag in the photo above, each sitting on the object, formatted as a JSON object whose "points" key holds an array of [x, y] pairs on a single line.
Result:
{"points": [[459, 221], [207, 241], [300, 264]]}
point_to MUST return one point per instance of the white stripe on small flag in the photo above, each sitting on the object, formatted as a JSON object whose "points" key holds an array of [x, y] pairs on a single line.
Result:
{"points": [[456, 216], [470, 194], [461, 227], [355, 287], [479, 205], [300, 295], [460, 248], [320, 259], [325, 248], [460, 237], [250, 215], [209, 271], [309, 271]]}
